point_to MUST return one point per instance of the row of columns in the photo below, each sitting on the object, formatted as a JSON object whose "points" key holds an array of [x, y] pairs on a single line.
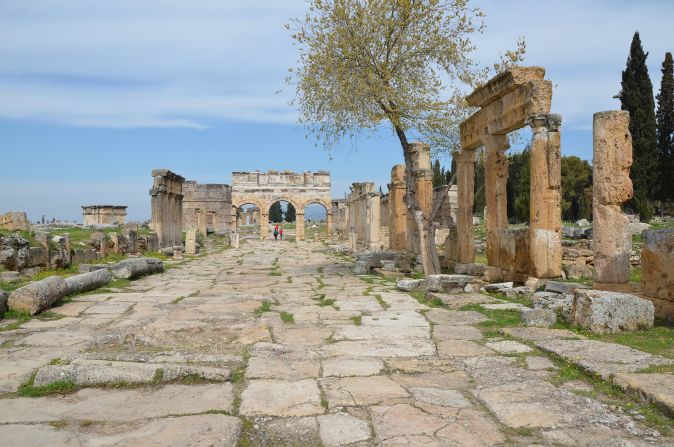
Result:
{"points": [[167, 207], [545, 201]]}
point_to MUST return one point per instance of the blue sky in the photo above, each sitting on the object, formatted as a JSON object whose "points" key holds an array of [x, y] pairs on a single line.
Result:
{"points": [[95, 94]]}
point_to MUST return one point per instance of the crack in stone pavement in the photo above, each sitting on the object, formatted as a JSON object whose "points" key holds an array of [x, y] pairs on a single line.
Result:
{"points": [[388, 382]]}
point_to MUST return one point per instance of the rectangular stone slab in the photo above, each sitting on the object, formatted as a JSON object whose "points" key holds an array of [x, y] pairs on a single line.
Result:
{"points": [[504, 83]]}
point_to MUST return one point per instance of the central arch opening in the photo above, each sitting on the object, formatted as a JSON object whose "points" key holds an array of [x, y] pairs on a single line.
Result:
{"points": [[282, 220]]}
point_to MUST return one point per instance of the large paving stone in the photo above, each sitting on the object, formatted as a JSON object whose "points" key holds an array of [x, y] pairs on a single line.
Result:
{"points": [[411, 347], [442, 397], [356, 391], [451, 332], [266, 368], [403, 420], [461, 348], [656, 388], [341, 429], [345, 367], [454, 317], [604, 312], [119, 405], [508, 347], [281, 398]]}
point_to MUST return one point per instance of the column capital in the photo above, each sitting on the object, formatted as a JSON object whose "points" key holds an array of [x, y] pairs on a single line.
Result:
{"points": [[465, 156], [496, 143], [550, 120]]}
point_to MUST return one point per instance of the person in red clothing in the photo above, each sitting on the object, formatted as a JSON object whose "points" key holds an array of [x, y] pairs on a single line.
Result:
{"points": [[280, 232], [276, 232]]}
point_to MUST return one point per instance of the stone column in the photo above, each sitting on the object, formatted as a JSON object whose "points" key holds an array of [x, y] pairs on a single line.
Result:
{"points": [[465, 179], [202, 222], [545, 219], [329, 223], [611, 235], [496, 218], [423, 184], [397, 209], [299, 225], [167, 209], [373, 220], [264, 226], [191, 241]]}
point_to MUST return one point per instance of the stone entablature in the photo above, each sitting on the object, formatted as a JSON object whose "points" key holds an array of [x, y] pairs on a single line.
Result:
{"points": [[103, 215], [14, 221], [207, 206]]}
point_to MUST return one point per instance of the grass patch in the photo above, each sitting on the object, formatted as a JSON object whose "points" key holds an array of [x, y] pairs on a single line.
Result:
{"points": [[323, 301], [287, 317], [367, 291], [21, 316], [289, 280], [59, 387], [357, 321], [423, 299], [264, 307], [384, 305]]}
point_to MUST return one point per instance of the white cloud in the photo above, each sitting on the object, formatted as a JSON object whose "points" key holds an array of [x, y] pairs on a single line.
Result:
{"points": [[176, 63]]}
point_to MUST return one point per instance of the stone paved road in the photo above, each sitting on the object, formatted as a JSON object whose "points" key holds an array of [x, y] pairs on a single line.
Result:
{"points": [[360, 364]]}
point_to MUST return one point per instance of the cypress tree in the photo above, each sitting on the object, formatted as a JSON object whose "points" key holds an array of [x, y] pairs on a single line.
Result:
{"points": [[438, 178], [636, 97], [290, 213], [665, 129], [276, 213]]}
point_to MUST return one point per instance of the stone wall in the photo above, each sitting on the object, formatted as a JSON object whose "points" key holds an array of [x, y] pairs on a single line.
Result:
{"points": [[207, 207], [340, 216], [103, 215], [167, 207], [448, 201], [14, 221]]}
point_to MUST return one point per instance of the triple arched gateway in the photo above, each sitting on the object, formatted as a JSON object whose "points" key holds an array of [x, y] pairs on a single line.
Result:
{"points": [[263, 189]]}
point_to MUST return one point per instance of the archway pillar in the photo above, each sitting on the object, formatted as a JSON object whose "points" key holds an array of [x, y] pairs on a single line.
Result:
{"points": [[233, 223], [299, 225], [264, 225], [328, 221]]}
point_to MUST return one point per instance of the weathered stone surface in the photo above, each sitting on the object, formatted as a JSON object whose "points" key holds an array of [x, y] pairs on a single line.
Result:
{"points": [[270, 368], [536, 363], [563, 287], [341, 429], [557, 302], [461, 348], [410, 285], [136, 267], [442, 397], [14, 252], [610, 312], [281, 398], [38, 295], [612, 243], [345, 367], [655, 388], [403, 420], [447, 283], [539, 317], [577, 232], [88, 281], [498, 287], [352, 391], [657, 264], [508, 347]]}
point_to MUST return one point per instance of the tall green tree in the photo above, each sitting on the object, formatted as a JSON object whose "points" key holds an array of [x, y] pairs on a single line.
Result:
{"points": [[665, 129], [576, 178], [367, 62], [517, 185], [636, 97], [290, 213], [439, 178], [276, 213], [480, 200]]}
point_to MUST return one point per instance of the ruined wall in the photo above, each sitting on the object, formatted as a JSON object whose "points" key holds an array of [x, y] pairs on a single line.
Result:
{"points": [[207, 207], [340, 216], [14, 221], [364, 204], [103, 215], [167, 207], [448, 201]]}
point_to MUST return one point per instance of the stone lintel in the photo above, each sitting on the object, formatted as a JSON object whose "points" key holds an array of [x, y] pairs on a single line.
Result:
{"points": [[503, 84], [552, 121], [169, 174], [465, 156], [496, 143], [507, 113]]}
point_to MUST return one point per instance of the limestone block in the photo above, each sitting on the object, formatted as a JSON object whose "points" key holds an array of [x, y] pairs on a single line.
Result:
{"points": [[177, 253], [612, 158], [447, 283], [14, 252], [470, 269], [39, 295], [361, 268], [604, 312], [657, 264], [410, 285], [556, 302], [583, 223], [612, 243], [637, 228], [137, 267], [88, 281], [191, 241], [38, 256], [151, 243], [498, 287], [563, 287], [539, 317]]}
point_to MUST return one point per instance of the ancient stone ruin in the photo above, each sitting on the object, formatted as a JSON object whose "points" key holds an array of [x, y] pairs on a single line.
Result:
{"points": [[511, 100], [14, 221], [207, 206], [167, 207], [93, 215]]}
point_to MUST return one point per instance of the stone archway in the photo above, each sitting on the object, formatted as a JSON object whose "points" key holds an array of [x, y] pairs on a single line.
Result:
{"points": [[263, 189]]}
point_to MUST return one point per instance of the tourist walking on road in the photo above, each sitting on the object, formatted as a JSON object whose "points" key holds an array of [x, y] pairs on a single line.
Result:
{"points": [[276, 232], [280, 232]]}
